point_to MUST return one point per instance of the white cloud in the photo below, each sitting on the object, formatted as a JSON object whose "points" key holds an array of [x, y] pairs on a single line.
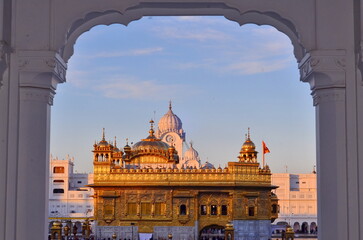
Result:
{"points": [[77, 77], [192, 34], [132, 53], [204, 63], [132, 88], [255, 67]]}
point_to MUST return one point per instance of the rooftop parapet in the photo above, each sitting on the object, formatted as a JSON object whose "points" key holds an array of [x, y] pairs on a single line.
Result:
{"points": [[236, 174]]}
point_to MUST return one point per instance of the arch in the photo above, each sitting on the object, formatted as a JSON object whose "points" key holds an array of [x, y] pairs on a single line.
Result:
{"points": [[305, 227], [211, 232], [313, 228], [296, 227], [91, 19]]}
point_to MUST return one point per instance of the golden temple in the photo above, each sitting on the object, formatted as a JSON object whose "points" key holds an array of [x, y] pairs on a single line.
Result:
{"points": [[142, 192]]}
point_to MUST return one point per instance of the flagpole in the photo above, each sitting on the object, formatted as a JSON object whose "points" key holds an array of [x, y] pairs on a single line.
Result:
{"points": [[263, 157]]}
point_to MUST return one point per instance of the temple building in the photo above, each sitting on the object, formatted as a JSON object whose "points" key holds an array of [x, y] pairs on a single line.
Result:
{"points": [[297, 195], [70, 200], [155, 188]]}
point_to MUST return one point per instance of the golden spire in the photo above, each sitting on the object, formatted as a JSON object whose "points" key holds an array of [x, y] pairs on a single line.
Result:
{"points": [[103, 134], [151, 128], [170, 107], [115, 142], [127, 141], [248, 133]]}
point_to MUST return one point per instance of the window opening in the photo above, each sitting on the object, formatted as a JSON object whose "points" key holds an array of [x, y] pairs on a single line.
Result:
{"points": [[183, 210], [213, 210], [58, 190], [203, 210], [58, 170], [251, 211], [224, 210]]}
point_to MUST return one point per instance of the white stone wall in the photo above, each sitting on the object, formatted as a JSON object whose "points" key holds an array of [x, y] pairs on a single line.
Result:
{"points": [[76, 201], [252, 229], [297, 194], [122, 232]]}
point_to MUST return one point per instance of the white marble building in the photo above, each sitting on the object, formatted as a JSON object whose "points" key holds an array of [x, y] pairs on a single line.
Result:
{"points": [[68, 195], [297, 194]]}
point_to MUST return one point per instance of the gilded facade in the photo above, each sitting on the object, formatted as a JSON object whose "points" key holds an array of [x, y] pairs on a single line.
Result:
{"points": [[143, 191]]}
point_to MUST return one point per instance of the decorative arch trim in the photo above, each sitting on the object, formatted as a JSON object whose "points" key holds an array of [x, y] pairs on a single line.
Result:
{"points": [[133, 13]]}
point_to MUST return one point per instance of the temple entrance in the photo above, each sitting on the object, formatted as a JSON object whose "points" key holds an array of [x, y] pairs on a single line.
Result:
{"points": [[212, 232]]}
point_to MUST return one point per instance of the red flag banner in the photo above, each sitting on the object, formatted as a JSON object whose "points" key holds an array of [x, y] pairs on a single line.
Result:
{"points": [[265, 148]]}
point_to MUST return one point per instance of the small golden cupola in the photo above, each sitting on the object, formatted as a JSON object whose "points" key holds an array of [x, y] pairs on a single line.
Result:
{"points": [[151, 152], [102, 151], [127, 149], [248, 153]]}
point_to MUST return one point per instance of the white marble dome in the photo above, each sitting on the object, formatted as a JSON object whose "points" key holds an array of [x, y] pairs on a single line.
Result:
{"points": [[170, 122], [207, 165], [191, 153]]}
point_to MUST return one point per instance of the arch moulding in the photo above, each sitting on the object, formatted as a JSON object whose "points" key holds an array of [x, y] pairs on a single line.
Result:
{"points": [[75, 21]]}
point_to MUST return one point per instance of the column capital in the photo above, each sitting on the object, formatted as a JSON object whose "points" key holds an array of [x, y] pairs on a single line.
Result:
{"points": [[42, 62], [331, 63], [39, 74], [325, 71]]}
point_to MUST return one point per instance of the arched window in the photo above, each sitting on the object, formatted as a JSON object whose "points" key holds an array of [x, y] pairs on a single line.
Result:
{"points": [[182, 210], [58, 190], [58, 170]]}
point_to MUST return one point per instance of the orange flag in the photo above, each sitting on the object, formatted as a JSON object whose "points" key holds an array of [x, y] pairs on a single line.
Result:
{"points": [[265, 148]]}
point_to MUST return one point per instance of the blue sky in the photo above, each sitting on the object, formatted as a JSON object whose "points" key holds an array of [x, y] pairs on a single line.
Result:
{"points": [[222, 78]]}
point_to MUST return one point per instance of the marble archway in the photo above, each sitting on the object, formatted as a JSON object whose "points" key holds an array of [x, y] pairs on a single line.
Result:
{"points": [[36, 41]]}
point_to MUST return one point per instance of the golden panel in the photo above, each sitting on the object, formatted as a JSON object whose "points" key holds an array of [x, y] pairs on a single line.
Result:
{"points": [[132, 209], [153, 197]]}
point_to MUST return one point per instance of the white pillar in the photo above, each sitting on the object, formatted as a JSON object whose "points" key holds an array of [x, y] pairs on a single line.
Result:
{"points": [[4, 103], [337, 176], [32, 89]]}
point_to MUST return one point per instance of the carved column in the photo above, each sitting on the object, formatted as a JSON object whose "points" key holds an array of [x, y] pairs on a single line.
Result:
{"points": [[5, 51], [4, 121], [326, 73], [39, 73]]}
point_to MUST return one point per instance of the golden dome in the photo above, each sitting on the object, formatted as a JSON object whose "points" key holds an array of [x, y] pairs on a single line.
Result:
{"points": [[127, 148], [248, 145], [103, 142], [248, 151], [151, 142]]}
